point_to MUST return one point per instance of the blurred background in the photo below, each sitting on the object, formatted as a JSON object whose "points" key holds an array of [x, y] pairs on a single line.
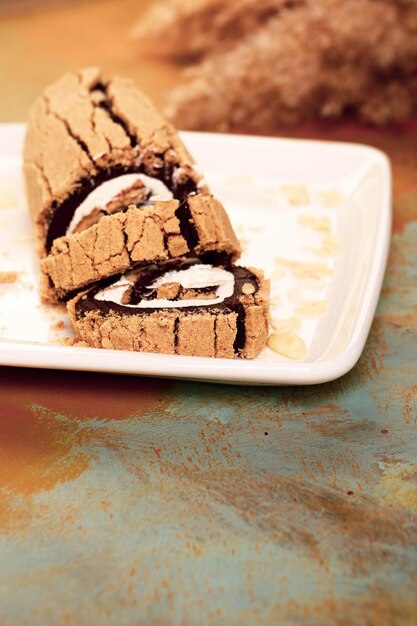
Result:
{"points": [[241, 65], [41, 39]]}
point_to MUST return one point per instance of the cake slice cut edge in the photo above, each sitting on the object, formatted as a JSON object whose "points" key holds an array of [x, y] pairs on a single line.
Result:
{"points": [[193, 309]]}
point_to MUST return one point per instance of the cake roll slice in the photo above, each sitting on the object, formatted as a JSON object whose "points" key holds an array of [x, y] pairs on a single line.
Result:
{"points": [[192, 309], [157, 233], [93, 146]]}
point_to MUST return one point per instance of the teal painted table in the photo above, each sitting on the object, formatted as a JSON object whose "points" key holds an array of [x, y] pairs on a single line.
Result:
{"points": [[127, 501]]}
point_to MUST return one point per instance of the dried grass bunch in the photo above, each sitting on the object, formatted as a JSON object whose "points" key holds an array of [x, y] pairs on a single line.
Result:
{"points": [[267, 63]]}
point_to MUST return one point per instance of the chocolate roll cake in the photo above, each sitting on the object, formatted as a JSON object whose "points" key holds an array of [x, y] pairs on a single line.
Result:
{"points": [[123, 215], [194, 309], [95, 145]]}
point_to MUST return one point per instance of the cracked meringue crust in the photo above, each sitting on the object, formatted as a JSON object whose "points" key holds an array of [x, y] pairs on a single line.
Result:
{"points": [[86, 129]]}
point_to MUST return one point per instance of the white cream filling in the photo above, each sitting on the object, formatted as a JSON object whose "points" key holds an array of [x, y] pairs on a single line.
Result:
{"points": [[100, 197], [196, 276]]}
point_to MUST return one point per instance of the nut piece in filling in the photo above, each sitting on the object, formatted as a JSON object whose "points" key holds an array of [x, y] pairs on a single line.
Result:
{"points": [[196, 310]]}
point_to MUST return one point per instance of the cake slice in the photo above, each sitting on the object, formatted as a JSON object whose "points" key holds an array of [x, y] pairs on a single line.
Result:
{"points": [[165, 231], [192, 309]]}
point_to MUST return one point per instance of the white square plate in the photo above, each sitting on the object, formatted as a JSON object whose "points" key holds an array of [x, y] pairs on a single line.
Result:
{"points": [[298, 206]]}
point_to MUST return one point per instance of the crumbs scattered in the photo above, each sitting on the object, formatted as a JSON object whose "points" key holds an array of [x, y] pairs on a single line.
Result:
{"points": [[69, 341], [292, 324], [288, 344], [8, 277], [320, 224], [297, 195], [330, 197], [60, 325], [305, 270]]}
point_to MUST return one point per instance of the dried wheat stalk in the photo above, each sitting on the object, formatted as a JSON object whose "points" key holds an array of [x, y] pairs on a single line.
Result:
{"points": [[276, 63]]}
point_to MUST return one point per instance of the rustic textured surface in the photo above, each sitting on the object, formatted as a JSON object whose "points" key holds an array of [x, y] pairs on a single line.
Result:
{"points": [[129, 501]]}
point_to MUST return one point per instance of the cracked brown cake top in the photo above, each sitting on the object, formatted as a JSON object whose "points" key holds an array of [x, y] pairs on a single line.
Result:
{"points": [[86, 129]]}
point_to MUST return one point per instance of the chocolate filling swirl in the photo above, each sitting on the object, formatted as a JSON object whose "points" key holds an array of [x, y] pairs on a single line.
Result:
{"points": [[143, 288]]}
